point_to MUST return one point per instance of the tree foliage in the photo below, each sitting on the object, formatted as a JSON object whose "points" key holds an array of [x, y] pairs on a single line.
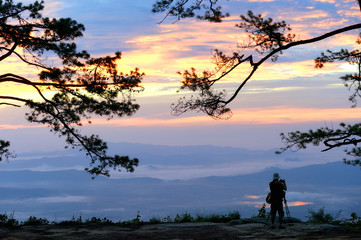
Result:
{"points": [[83, 86], [4, 149], [351, 81], [347, 134], [267, 40], [180, 9]]}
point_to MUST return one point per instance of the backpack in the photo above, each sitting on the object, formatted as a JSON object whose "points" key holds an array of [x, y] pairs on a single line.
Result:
{"points": [[269, 198]]}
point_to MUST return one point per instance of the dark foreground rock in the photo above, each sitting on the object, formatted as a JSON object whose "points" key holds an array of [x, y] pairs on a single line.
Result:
{"points": [[187, 231]]}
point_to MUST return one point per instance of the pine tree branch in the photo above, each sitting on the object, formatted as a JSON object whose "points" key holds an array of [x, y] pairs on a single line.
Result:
{"points": [[284, 47]]}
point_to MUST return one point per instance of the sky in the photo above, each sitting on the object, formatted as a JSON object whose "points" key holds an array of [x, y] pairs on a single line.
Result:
{"points": [[287, 95], [283, 96]]}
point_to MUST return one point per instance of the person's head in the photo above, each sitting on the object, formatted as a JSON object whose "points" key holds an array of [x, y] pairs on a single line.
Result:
{"points": [[276, 176]]}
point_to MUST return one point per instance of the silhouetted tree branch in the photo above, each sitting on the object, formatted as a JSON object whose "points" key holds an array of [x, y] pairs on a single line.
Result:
{"points": [[351, 81], [268, 39], [346, 135], [84, 86], [187, 9]]}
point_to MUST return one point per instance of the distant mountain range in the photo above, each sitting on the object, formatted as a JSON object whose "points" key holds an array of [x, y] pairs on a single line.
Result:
{"points": [[177, 162], [171, 180]]}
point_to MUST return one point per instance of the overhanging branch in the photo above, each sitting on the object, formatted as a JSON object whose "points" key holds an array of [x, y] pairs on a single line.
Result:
{"points": [[284, 47], [9, 77], [9, 51]]}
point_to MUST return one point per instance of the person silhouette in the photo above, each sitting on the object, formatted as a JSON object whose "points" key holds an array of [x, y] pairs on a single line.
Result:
{"points": [[278, 188]]}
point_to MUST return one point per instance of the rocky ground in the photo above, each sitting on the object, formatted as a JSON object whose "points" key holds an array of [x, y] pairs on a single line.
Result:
{"points": [[179, 231]]}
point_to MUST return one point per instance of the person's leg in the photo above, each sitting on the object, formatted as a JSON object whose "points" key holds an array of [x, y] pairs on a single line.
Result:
{"points": [[281, 214], [273, 214]]}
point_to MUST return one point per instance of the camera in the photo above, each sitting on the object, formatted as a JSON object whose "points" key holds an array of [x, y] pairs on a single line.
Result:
{"points": [[282, 180]]}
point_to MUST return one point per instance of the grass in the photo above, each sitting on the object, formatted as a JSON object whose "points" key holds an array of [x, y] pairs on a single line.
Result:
{"points": [[9, 221], [235, 215], [352, 224], [187, 217]]}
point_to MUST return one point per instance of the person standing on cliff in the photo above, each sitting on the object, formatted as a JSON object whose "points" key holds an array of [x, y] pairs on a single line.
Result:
{"points": [[278, 188]]}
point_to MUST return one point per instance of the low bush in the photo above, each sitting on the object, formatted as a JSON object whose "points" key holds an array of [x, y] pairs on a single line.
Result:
{"points": [[134, 223], [321, 217], [354, 223], [185, 217], [155, 220], [216, 218], [262, 213], [95, 220], [72, 222], [7, 222], [32, 221], [209, 218], [233, 215]]}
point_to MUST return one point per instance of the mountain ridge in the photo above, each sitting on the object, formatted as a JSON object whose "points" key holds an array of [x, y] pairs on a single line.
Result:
{"points": [[54, 185]]}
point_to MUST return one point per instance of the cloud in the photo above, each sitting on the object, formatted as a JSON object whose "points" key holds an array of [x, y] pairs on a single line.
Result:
{"points": [[250, 203], [261, 0], [175, 47], [330, 23], [254, 116], [289, 70], [276, 115], [105, 210], [52, 8], [195, 171], [162, 50], [49, 200], [16, 126], [63, 199], [299, 203], [326, 1], [305, 196], [353, 12], [315, 14], [252, 196], [259, 204], [292, 159]]}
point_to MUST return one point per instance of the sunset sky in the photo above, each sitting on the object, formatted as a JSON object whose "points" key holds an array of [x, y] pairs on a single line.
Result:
{"points": [[283, 96]]}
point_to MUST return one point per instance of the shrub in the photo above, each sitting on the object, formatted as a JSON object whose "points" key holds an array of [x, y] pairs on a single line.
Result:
{"points": [[167, 219], [354, 223], [73, 221], [99, 221], [155, 220], [216, 218], [7, 222], [186, 217], [137, 219], [3, 218], [321, 217], [210, 218], [32, 221], [262, 213], [134, 223], [235, 215]]}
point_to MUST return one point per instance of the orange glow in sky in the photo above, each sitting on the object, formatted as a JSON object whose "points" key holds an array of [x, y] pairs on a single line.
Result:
{"points": [[252, 197], [161, 50], [229, 159], [297, 204], [255, 116]]}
